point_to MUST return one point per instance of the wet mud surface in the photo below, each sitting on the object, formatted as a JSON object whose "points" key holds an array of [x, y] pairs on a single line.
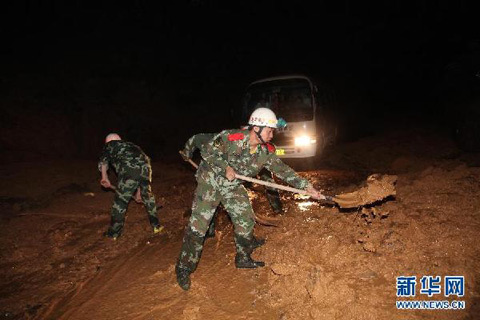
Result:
{"points": [[323, 262]]}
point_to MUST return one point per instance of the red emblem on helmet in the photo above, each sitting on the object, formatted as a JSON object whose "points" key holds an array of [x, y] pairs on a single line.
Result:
{"points": [[235, 136]]}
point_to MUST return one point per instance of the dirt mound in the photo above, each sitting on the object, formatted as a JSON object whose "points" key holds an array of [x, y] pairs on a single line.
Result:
{"points": [[344, 266]]}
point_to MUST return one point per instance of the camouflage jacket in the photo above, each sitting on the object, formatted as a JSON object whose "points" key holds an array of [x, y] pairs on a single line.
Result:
{"points": [[232, 148], [127, 159], [196, 142]]}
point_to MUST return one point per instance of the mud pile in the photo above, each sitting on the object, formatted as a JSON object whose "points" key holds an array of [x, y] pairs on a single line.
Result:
{"points": [[327, 264], [378, 187]]}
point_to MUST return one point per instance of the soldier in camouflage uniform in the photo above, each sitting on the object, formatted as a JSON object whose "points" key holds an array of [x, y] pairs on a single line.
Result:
{"points": [[134, 172], [198, 141], [245, 152]]}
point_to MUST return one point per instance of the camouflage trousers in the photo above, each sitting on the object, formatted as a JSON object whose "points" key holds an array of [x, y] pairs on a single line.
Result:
{"points": [[207, 197], [126, 188], [273, 198], [272, 194]]}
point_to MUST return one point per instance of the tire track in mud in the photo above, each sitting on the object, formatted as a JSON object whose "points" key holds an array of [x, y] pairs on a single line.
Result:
{"points": [[78, 301], [143, 286]]}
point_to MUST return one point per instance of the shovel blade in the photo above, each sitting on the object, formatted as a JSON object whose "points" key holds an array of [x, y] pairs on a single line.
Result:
{"points": [[347, 202], [378, 188]]}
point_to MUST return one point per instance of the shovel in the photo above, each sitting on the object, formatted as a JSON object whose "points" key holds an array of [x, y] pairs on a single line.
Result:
{"points": [[378, 187]]}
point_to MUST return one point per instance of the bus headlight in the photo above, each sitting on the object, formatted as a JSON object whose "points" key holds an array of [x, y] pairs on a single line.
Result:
{"points": [[303, 141]]}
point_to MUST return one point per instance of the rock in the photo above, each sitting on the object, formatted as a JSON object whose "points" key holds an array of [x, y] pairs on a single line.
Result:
{"points": [[368, 246]]}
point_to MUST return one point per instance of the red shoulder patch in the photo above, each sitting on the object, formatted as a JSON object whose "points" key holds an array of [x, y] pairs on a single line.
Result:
{"points": [[236, 136], [271, 148]]}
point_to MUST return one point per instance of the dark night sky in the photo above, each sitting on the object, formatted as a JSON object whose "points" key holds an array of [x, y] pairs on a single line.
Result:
{"points": [[204, 53], [241, 40]]}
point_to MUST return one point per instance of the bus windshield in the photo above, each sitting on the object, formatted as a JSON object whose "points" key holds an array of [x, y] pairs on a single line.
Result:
{"points": [[290, 99]]}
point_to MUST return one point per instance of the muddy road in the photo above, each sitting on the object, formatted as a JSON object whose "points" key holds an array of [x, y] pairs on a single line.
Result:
{"points": [[322, 262]]}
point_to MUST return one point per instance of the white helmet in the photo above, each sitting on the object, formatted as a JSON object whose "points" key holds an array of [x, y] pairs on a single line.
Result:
{"points": [[112, 137], [263, 117]]}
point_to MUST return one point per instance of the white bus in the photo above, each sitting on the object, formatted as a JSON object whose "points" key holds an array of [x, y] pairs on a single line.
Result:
{"points": [[307, 108]]}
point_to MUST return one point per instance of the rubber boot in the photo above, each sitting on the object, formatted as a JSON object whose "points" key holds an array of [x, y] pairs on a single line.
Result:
{"points": [[273, 198], [153, 221], [189, 257], [257, 242], [243, 259], [246, 262], [117, 221], [115, 229], [112, 234]]}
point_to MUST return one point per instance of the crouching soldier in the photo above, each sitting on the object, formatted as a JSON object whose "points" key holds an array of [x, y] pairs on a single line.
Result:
{"points": [[134, 172], [198, 141], [245, 152]]}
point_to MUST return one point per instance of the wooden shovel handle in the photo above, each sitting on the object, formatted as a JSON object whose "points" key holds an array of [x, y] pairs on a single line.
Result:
{"points": [[265, 183]]}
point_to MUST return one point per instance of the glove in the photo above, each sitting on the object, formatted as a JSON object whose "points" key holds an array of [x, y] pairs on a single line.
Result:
{"points": [[315, 193]]}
